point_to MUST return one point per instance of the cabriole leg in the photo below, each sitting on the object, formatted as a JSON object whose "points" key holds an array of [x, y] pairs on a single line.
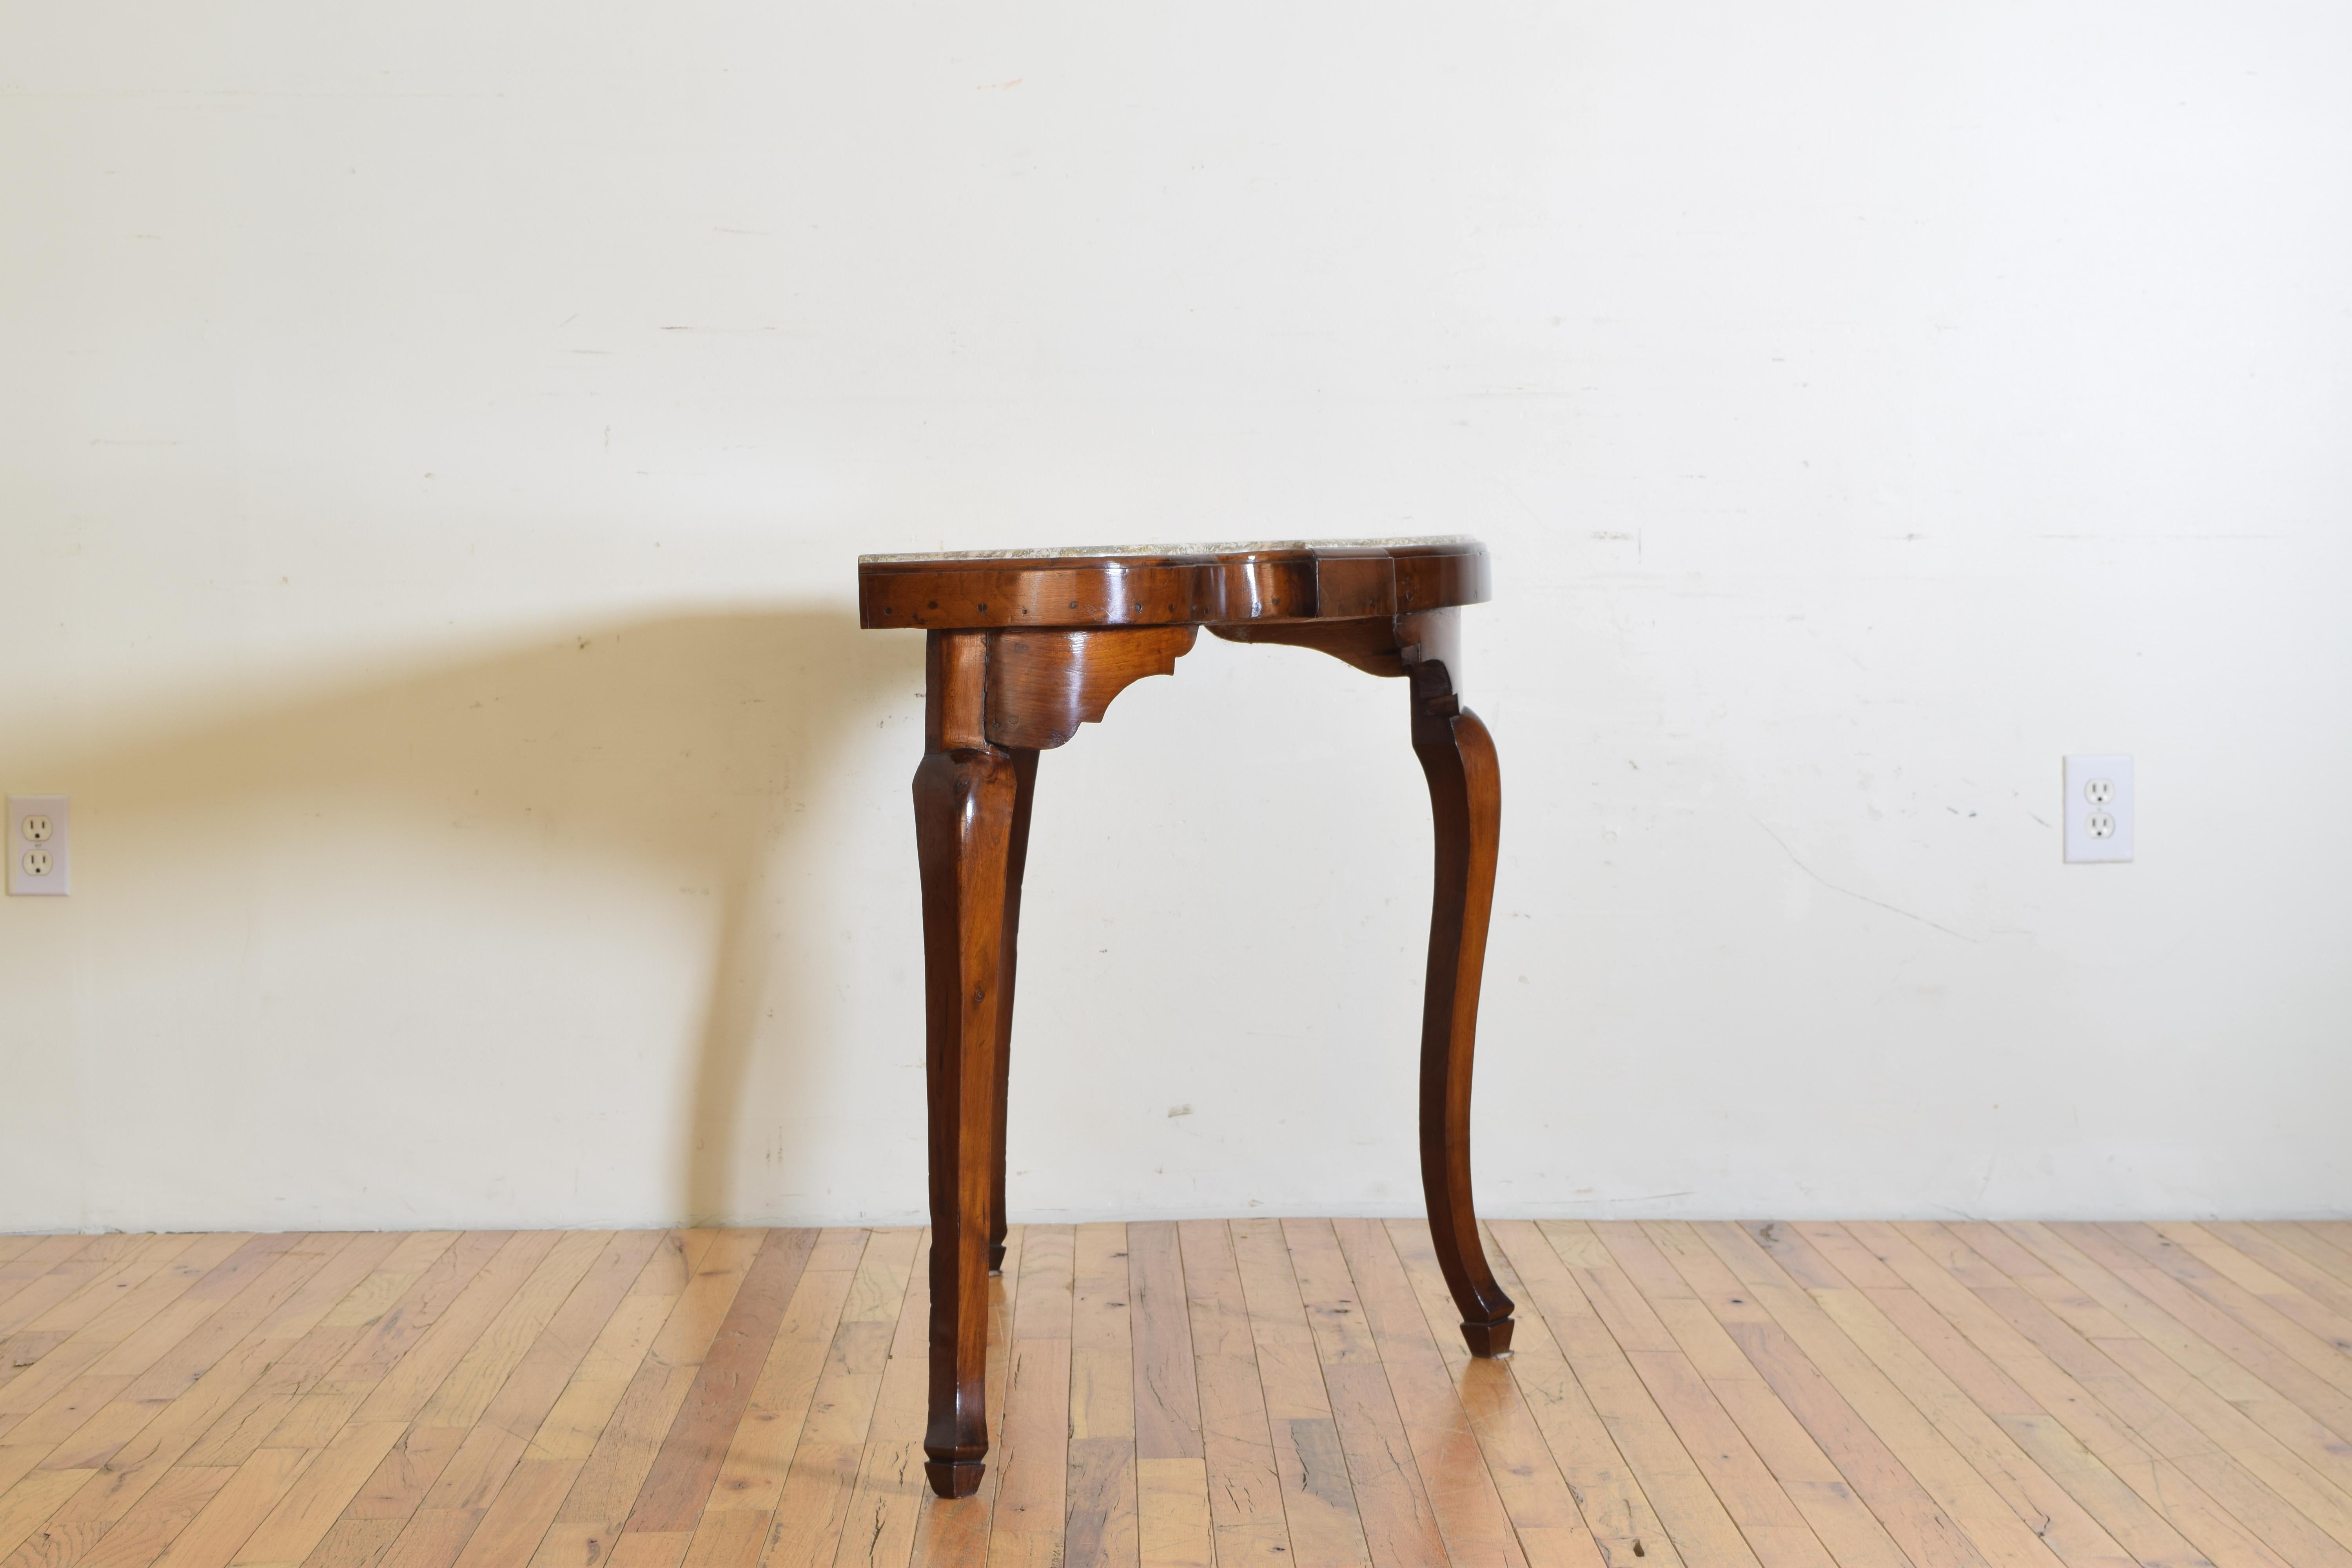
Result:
{"points": [[1024, 788], [1467, 802], [965, 792]]}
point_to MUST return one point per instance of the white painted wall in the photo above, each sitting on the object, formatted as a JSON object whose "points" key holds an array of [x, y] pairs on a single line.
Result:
{"points": [[434, 440]]}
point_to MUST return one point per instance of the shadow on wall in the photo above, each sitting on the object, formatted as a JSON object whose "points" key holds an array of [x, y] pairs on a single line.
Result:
{"points": [[695, 741]]}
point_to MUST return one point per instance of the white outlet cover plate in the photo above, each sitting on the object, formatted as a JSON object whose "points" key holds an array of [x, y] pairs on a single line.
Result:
{"points": [[2082, 774], [59, 879]]}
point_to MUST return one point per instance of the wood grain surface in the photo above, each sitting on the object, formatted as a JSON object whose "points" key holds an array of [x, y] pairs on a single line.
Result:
{"points": [[1258, 585]]}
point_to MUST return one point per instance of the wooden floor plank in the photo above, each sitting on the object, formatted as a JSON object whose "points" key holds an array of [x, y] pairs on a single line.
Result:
{"points": [[1777, 1529], [2237, 1411], [28, 1505], [1687, 1506], [471, 1475], [78, 1284], [577, 1419], [1099, 1507], [41, 1256], [1925, 1257], [2264, 1486], [436, 1289], [606, 1489], [819, 1471], [1857, 1491], [2315, 1347], [688, 1465], [1320, 1507], [294, 1344], [291, 1326], [766, 1440], [495, 1399], [2337, 1234], [1616, 1514], [2313, 1245], [529, 1393], [2289, 1422], [150, 1523], [569, 1432], [2319, 1399], [1536, 1493], [2036, 1465], [315, 1500], [2256, 1244], [181, 1394], [512, 1529], [1171, 1473], [465, 1397], [1399, 1522], [1454, 1469], [1192, 1395], [224, 1523], [878, 1525], [215, 1260], [83, 1320], [90, 1417], [2318, 1317], [1973, 1475], [1029, 1460], [1243, 1488], [402, 1391], [200, 1305]]}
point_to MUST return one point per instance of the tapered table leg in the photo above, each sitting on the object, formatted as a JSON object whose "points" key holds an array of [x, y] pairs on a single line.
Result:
{"points": [[1465, 800], [964, 808]]}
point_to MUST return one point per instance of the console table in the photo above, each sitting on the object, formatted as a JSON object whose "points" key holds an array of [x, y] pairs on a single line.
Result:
{"points": [[1023, 647]]}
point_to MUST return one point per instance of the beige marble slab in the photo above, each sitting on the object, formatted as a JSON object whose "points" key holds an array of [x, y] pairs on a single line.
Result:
{"points": [[1224, 547]]}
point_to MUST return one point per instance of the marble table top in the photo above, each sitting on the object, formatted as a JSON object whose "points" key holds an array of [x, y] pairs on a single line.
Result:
{"points": [[1223, 547]]}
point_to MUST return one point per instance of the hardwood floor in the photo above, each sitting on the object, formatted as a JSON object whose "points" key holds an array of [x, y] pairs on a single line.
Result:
{"points": [[1258, 1392]]}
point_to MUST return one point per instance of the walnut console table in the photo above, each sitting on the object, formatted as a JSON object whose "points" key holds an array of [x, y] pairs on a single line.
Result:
{"points": [[1023, 647]]}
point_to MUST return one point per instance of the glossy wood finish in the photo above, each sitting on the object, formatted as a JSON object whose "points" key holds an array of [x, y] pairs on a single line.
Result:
{"points": [[1370, 645], [965, 796], [1016, 861], [1013, 670], [1253, 1392], [1457, 756], [1465, 798], [1271, 584], [1042, 685]]}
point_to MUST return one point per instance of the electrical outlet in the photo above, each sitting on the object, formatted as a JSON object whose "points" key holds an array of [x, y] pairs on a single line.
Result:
{"points": [[39, 857], [2099, 809]]}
